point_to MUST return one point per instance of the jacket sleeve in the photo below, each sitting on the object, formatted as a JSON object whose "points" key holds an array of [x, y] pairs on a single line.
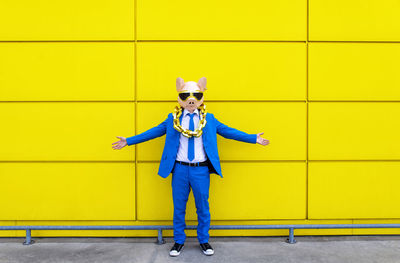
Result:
{"points": [[234, 134], [152, 133]]}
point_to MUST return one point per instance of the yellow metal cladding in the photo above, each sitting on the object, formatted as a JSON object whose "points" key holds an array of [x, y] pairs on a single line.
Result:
{"points": [[353, 189], [67, 191], [354, 20], [64, 131], [48, 71], [368, 71], [221, 20], [67, 20], [319, 78], [354, 131], [234, 70]]}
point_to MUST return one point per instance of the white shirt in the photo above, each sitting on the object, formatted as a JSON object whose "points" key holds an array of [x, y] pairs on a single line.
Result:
{"points": [[199, 154]]}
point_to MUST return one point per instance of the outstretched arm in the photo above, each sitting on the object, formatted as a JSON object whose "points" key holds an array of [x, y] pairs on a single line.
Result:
{"points": [[152, 133], [234, 134]]}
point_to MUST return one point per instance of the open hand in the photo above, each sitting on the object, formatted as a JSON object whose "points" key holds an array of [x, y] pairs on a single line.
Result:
{"points": [[261, 140], [120, 144]]}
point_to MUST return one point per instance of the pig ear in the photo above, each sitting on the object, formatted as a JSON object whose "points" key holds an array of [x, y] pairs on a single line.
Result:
{"points": [[179, 84], [202, 84]]}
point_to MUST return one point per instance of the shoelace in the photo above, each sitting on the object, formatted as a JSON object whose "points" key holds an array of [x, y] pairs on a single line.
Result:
{"points": [[206, 246]]}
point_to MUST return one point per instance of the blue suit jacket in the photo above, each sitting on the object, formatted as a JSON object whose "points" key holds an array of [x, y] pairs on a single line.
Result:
{"points": [[210, 131]]}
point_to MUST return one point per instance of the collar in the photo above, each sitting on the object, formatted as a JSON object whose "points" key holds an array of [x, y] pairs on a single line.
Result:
{"points": [[185, 111]]}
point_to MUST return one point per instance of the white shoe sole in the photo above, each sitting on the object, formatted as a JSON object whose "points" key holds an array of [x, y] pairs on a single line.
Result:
{"points": [[175, 253], [208, 252]]}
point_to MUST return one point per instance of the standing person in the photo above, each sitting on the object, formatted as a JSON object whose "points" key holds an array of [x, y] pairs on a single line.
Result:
{"points": [[190, 154]]}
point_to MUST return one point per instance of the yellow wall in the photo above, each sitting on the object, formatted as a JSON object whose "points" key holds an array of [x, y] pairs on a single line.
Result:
{"points": [[319, 78]]}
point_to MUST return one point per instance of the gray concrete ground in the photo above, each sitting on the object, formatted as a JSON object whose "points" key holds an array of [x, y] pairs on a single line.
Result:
{"points": [[310, 249]]}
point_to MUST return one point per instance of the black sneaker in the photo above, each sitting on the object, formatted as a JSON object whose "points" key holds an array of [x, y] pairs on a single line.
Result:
{"points": [[207, 249], [176, 249]]}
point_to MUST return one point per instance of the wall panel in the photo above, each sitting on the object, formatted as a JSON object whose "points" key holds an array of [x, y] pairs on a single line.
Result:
{"points": [[59, 71], [354, 131], [51, 131], [67, 191], [221, 20], [354, 71], [354, 20], [344, 190], [67, 20], [234, 70]]}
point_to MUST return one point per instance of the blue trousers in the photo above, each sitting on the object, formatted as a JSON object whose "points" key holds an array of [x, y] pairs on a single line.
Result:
{"points": [[197, 178]]}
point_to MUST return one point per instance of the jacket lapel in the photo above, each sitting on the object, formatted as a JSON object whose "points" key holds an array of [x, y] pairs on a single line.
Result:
{"points": [[205, 129]]}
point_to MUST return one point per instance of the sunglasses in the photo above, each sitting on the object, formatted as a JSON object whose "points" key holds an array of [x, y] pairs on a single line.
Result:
{"points": [[185, 95]]}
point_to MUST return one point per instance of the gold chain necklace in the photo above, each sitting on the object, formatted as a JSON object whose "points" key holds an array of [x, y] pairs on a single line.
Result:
{"points": [[185, 132]]}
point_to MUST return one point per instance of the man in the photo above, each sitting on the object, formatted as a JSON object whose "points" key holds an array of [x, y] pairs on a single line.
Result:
{"points": [[191, 154]]}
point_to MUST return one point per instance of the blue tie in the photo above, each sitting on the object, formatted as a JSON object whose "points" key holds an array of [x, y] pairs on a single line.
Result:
{"points": [[191, 139]]}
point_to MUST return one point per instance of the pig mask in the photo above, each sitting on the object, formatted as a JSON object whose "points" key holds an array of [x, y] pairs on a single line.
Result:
{"points": [[191, 103], [190, 98]]}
